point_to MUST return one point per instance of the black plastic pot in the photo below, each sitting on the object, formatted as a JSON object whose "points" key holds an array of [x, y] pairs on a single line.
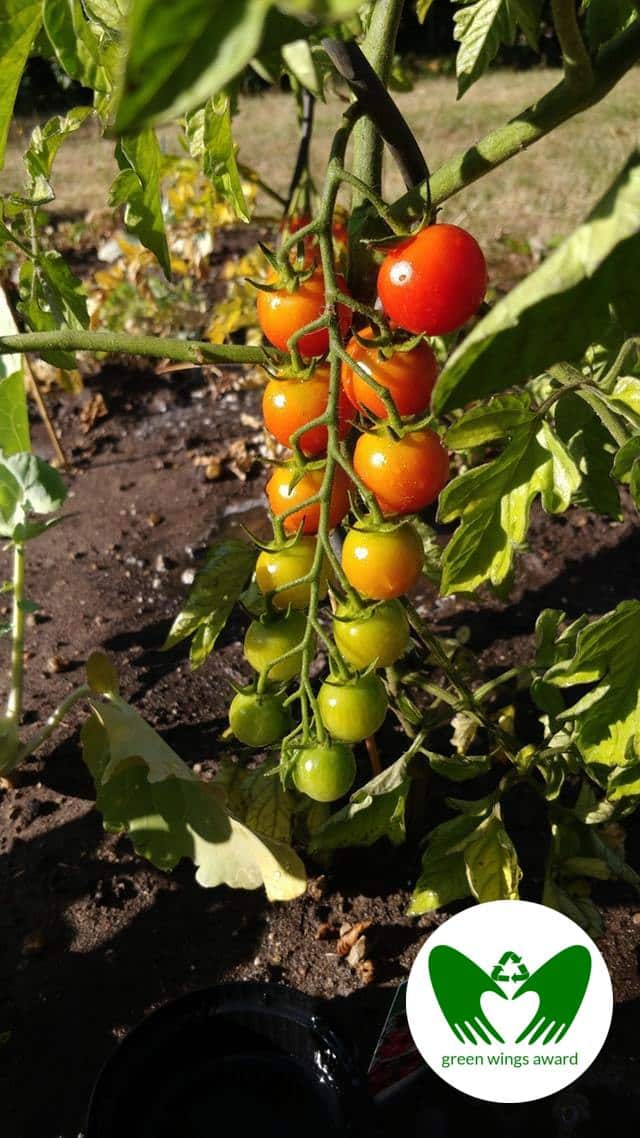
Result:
{"points": [[254, 1056]]}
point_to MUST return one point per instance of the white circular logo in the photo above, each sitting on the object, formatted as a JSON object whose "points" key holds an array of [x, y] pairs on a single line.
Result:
{"points": [[509, 1001]]}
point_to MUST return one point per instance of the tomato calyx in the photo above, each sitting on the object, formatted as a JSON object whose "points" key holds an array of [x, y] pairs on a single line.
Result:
{"points": [[366, 523]]}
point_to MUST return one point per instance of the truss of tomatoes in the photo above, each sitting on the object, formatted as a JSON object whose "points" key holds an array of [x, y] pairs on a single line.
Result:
{"points": [[429, 284]]}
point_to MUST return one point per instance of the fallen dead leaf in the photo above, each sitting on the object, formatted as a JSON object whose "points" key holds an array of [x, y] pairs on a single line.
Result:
{"points": [[348, 939], [94, 409]]}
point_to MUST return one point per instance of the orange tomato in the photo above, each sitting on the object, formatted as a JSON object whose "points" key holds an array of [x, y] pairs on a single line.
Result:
{"points": [[287, 404], [382, 564], [409, 377], [405, 474], [283, 496], [281, 313]]}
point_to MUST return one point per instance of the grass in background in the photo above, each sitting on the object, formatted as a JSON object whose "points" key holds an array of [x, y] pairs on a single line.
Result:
{"points": [[539, 195]]}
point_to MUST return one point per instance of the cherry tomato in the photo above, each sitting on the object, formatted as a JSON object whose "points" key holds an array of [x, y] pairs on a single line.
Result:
{"points": [[258, 720], [380, 563], [379, 635], [294, 223], [433, 282], [325, 773], [268, 639], [283, 495], [409, 377], [354, 710], [281, 313], [405, 474], [287, 404], [275, 568]]}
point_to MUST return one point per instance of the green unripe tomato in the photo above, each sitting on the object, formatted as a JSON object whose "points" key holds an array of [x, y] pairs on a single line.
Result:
{"points": [[325, 772], [258, 720], [354, 710], [266, 640], [378, 635]]}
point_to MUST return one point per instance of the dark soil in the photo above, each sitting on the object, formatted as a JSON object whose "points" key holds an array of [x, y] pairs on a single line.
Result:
{"points": [[91, 936]]}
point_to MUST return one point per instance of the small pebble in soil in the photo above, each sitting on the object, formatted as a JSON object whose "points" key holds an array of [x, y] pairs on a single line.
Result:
{"points": [[188, 576], [57, 664], [154, 519]]}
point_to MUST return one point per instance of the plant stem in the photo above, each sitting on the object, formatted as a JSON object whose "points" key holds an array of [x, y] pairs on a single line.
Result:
{"points": [[376, 103], [378, 48], [53, 721], [531, 124], [578, 69], [196, 352], [307, 105], [14, 702]]}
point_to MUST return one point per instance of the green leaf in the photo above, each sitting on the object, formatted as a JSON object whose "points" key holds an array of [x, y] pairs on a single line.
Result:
{"points": [[443, 878], [76, 44], [432, 565], [528, 13], [9, 364], [480, 27], [626, 467], [137, 188], [493, 503], [28, 485], [64, 293], [494, 420], [179, 55], [301, 62], [145, 789], [606, 658], [578, 908], [422, 9], [606, 18], [46, 140], [561, 308], [258, 798], [14, 415], [492, 865], [459, 768], [214, 592], [110, 13], [20, 22], [210, 139], [375, 811], [102, 676], [590, 446]]}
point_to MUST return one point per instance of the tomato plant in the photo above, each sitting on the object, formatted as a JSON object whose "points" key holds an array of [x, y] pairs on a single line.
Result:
{"points": [[405, 474], [354, 710], [258, 720], [325, 772], [268, 640], [435, 281], [295, 493], [286, 573], [283, 311], [537, 402], [382, 563], [288, 404], [407, 375], [377, 635]]}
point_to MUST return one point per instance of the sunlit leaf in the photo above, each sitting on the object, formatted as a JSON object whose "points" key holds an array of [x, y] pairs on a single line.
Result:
{"points": [[492, 865], [215, 590], [20, 22], [493, 502], [211, 140], [137, 188], [374, 811], [144, 788], [606, 658], [77, 47], [28, 485]]}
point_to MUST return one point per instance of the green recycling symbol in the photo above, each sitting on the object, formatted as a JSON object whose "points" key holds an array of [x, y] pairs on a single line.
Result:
{"points": [[520, 973]]}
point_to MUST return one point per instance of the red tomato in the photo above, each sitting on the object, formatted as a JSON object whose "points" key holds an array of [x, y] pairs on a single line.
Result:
{"points": [[405, 474], [281, 313], [433, 282], [287, 404], [282, 496], [409, 377]]}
